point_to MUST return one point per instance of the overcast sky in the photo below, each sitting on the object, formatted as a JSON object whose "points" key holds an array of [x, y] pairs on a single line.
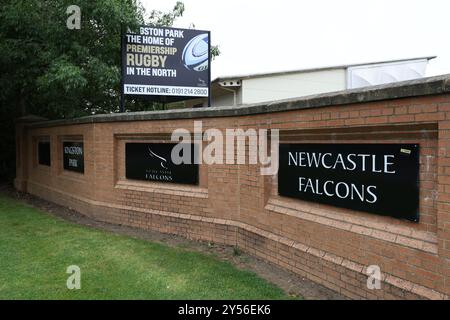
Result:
{"points": [[257, 36]]}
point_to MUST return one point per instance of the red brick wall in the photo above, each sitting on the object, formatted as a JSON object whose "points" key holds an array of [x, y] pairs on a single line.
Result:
{"points": [[234, 204]]}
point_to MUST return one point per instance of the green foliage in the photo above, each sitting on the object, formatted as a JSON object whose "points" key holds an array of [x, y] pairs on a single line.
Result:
{"points": [[161, 19], [49, 70], [215, 51], [55, 72], [52, 71], [36, 249]]}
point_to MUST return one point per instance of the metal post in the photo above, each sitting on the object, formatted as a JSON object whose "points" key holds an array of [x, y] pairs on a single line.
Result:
{"points": [[209, 69], [122, 45]]}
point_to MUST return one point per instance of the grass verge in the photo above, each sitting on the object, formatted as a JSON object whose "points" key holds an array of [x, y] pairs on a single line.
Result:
{"points": [[36, 249]]}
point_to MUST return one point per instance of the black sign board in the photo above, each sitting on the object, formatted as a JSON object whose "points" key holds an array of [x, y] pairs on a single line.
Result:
{"points": [[73, 156], [167, 64], [376, 178], [44, 153], [153, 162]]}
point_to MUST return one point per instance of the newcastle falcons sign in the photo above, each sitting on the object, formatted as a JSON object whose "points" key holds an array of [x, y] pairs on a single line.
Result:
{"points": [[152, 162], [376, 178]]}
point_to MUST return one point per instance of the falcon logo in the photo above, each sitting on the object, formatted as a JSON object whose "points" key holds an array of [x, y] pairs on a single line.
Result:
{"points": [[163, 161], [196, 53]]}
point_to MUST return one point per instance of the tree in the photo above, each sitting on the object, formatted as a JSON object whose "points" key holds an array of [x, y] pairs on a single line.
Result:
{"points": [[50, 70]]}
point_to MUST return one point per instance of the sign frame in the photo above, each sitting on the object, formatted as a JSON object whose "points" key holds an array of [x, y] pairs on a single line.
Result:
{"points": [[41, 160], [151, 162], [387, 169], [162, 98], [66, 159]]}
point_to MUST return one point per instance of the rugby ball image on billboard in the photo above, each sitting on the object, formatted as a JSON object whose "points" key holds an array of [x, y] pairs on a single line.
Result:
{"points": [[196, 53]]}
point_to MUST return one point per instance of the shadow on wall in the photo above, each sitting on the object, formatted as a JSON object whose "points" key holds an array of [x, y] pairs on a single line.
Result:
{"points": [[7, 147]]}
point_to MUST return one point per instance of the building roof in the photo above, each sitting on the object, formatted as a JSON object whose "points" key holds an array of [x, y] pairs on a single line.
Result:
{"points": [[345, 66]]}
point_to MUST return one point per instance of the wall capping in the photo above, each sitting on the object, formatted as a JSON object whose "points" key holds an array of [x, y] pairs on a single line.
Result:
{"points": [[404, 89]]}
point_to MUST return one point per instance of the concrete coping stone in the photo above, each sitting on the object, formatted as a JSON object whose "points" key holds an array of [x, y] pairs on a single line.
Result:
{"points": [[412, 88]]}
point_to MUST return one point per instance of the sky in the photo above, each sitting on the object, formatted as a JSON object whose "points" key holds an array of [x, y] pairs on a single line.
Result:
{"points": [[258, 36]]}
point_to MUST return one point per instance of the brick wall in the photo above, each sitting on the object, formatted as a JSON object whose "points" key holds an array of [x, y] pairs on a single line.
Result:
{"points": [[234, 204]]}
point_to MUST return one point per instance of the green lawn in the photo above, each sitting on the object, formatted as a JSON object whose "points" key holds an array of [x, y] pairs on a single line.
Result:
{"points": [[36, 249]]}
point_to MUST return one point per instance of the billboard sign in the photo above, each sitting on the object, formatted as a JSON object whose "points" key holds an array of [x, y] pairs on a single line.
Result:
{"points": [[376, 178], [166, 62]]}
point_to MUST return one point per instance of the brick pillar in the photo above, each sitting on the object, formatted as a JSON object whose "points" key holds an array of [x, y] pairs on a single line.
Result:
{"points": [[23, 150]]}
